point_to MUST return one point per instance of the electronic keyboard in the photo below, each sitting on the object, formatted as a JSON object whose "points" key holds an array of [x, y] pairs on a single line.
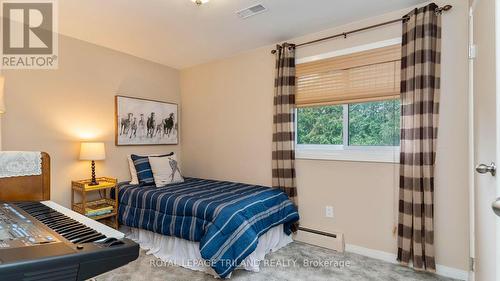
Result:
{"points": [[45, 241]]}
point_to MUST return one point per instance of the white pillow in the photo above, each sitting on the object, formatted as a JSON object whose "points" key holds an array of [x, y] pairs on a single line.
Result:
{"points": [[133, 171], [165, 170]]}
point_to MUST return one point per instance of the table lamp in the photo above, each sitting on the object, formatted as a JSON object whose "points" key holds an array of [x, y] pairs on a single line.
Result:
{"points": [[92, 151]]}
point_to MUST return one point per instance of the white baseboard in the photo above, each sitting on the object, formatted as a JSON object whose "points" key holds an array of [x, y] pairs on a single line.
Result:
{"points": [[375, 254], [442, 270]]}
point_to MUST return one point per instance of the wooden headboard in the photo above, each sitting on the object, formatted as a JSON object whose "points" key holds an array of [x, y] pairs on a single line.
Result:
{"points": [[29, 188]]}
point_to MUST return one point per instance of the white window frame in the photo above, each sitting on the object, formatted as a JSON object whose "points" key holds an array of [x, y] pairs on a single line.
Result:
{"points": [[346, 152]]}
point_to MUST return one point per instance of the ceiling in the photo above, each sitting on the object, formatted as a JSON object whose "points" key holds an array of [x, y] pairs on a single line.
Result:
{"points": [[179, 34]]}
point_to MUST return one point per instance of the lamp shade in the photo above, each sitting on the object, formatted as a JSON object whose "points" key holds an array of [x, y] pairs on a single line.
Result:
{"points": [[92, 151], [2, 102]]}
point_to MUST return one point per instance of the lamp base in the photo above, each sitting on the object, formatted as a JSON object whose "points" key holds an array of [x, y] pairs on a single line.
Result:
{"points": [[93, 181]]}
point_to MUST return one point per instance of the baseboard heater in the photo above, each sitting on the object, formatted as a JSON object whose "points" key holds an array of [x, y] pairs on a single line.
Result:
{"points": [[334, 241]]}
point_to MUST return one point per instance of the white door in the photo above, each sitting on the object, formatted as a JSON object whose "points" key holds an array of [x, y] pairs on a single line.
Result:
{"points": [[486, 93]]}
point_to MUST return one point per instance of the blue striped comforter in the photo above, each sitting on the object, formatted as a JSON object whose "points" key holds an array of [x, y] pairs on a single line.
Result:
{"points": [[226, 218]]}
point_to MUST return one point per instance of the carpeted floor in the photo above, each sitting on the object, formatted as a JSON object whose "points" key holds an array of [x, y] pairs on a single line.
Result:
{"points": [[298, 261]]}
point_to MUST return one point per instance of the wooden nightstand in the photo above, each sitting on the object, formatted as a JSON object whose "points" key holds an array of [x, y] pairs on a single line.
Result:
{"points": [[104, 208]]}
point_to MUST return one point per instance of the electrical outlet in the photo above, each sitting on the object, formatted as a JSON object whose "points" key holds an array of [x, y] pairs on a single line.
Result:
{"points": [[329, 211]]}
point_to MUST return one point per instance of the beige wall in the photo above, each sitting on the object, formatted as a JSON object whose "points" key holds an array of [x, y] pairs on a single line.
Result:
{"points": [[53, 110], [227, 116]]}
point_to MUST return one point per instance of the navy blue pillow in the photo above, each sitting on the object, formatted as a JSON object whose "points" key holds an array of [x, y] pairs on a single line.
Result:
{"points": [[143, 168]]}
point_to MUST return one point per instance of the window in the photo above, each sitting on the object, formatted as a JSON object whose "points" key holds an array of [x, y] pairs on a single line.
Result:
{"points": [[366, 124], [374, 123], [320, 125], [349, 105]]}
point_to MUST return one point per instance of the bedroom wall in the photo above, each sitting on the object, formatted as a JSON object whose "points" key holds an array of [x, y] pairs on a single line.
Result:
{"points": [[53, 110], [227, 127]]}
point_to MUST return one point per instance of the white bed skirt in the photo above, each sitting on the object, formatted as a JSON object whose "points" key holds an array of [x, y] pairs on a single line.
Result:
{"points": [[181, 252]]}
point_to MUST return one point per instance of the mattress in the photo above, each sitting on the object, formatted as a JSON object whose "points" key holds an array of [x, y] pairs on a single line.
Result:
{"points": [[226, 218]]}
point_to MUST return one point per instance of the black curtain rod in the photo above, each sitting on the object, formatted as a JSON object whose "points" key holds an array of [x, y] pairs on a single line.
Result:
{"points": [[344, 34]]}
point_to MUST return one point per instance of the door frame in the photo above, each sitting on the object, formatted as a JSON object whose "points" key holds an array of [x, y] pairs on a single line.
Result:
{"points": [[472, 156], [497, 94]]}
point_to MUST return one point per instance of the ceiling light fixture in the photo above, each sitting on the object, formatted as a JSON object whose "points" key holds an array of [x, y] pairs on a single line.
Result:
{"points": [[200, 2]]}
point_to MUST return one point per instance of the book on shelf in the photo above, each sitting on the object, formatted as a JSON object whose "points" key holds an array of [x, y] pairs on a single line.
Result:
{"points": [[99, 213], [98, 208]]}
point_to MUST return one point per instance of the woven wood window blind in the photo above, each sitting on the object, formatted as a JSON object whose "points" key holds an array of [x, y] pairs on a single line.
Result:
{"points": [[359, 77]]}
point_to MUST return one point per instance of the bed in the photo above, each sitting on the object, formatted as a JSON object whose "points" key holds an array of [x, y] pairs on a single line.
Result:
{"points": [[226, 224]]}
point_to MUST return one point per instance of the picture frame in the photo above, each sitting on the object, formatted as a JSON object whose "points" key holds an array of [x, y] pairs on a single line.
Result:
{"points": [[140, 121]]}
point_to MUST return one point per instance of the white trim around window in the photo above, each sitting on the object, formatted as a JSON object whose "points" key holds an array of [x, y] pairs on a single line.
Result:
{"points": [[348, 51], [378, 154]]}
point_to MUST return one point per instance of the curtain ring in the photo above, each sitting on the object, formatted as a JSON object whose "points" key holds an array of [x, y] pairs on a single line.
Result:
{"points": [[278, 48], [445, 8]]}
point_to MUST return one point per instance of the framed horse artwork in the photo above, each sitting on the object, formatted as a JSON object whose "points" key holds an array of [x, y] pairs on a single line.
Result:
{"points": [[145, 122]]}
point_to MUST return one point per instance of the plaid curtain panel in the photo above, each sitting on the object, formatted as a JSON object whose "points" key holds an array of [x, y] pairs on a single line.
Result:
{"points": [[283, 156], [420, 90]]}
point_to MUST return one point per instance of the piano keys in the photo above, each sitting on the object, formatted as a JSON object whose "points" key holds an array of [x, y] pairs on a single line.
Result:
{"points": [[97, 226], [45, 240], [71, 225]]}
